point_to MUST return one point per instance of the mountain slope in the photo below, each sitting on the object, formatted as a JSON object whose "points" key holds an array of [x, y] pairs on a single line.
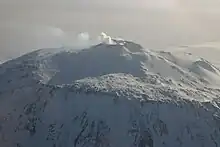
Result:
{"points": [[117, 95]]}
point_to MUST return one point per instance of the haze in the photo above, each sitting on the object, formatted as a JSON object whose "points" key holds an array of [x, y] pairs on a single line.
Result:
{"points": [[26, 25]]}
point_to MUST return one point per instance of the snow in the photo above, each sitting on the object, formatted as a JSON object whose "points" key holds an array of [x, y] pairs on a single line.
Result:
{"points": [[116, 94]]}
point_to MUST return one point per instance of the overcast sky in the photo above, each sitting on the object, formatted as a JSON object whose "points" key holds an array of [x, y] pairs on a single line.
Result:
{"points": [[26, 25]]}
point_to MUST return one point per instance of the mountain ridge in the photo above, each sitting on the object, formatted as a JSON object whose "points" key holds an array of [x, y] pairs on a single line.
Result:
{"points": [[130, 96]]}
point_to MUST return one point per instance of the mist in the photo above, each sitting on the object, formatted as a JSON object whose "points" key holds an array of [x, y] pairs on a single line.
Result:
{"points": [[27, 25]]}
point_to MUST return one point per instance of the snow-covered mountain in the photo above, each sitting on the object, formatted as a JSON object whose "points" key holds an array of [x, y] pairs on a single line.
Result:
{"points": [[109, 95]]}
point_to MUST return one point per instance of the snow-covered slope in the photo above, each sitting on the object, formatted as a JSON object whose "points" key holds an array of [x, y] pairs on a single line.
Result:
{"points": [[109, 95], [209, 51]]}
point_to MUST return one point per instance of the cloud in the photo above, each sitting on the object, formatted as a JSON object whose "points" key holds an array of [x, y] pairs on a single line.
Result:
{"points": [[57, 32], [21, 38], [81, 40], [83, 36]]}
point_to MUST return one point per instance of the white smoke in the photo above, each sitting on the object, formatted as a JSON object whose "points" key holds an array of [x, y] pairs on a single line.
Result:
{"points": [[26, 38], [104, 38], [84, 40], [55, 36]]}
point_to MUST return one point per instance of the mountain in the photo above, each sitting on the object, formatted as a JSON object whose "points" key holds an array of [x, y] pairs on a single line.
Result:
{"points": [[109, 95], [208, 51]]}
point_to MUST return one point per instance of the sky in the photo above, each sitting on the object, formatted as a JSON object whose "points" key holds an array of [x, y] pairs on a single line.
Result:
{"points": [[26, 25]]}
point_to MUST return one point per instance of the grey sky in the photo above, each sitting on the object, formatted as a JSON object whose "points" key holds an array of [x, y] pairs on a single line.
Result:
{"points": [[30, 24]]}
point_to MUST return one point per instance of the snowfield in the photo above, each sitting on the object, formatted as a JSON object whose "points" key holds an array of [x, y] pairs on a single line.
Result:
{"points": [[114, 94]]}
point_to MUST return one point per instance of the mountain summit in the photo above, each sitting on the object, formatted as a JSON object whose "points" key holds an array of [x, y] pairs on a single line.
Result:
{"points": [[109, 95]]}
